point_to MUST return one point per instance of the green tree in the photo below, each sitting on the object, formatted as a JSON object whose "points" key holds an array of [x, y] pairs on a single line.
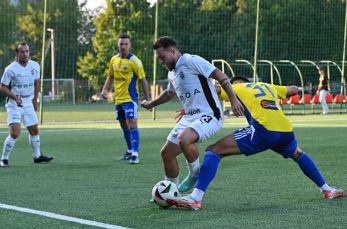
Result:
{"points": [[6, 24], [132, 17], [64, 17]]}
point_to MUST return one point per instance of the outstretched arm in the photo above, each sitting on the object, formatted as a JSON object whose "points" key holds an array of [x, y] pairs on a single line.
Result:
{"points": [[292, 90], [164, 97], [223, 80]]}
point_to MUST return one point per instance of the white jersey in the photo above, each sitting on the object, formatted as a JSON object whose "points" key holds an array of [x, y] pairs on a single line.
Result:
{"points": [[21, 80], [191, 82]]}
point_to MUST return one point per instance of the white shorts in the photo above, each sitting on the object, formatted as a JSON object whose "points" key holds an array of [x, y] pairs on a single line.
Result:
{"points": [[25, 114], [206, 126]]}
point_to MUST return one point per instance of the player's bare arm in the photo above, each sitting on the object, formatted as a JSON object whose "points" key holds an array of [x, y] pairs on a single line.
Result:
{"points": [[36, 93], [164, 97], [292, 90], [223, 80], [144, 85], [7, 92], [107, 87]]}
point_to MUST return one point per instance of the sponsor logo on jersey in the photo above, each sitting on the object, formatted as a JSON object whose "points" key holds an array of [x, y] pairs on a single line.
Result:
{"points": [[193, 112], [187, 95], [269, 104], [125, 67]]}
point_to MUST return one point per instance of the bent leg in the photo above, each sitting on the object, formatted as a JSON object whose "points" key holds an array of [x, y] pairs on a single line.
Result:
{"points": [[188, 142], [213, 154], [169, 152], [308, 167]]}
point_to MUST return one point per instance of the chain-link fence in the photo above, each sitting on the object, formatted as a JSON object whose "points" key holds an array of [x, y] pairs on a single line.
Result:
{"points": [[294, 37]]}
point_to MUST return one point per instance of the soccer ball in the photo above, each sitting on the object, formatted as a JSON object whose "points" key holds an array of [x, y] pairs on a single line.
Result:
{"points": [[162, 191]]}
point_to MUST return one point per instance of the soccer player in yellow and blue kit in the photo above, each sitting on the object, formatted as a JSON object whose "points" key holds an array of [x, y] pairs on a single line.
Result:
{"points": [[126, 72], [268, 129]]}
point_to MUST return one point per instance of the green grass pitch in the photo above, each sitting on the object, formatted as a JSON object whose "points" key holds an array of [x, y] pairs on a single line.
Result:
{"points": [[85, 180]]}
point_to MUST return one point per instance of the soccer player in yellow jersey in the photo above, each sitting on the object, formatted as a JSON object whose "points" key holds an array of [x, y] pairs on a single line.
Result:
{"points": [[126, 72], [268, 129]]}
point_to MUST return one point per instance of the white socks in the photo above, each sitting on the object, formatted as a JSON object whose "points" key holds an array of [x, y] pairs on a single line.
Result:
{"points": [[173, 180], [8, 146], [325, 187], [34, 142], [197, 194], [194, 168]]}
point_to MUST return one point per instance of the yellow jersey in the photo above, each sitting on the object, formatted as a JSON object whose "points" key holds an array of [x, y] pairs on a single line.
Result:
{"points": [[260, 101], [126, 72]]}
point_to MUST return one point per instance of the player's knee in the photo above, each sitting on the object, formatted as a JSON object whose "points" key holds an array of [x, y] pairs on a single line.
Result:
{"points": [[184, 140], [188, 136], [297, 154], [15, 135], [213, 148], [210, 148]]}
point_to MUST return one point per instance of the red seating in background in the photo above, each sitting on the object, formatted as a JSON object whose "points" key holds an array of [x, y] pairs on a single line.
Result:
{"points": [[295, 99], [284, 101], [315, 99], [329, 98], [305, 99], [339, 98]]}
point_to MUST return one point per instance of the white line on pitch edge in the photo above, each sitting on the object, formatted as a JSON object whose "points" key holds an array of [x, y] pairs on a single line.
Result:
{"points": [[61, 217]]}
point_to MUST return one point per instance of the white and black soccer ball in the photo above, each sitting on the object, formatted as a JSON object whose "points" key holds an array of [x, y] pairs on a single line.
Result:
{"points": [[162, 191]]}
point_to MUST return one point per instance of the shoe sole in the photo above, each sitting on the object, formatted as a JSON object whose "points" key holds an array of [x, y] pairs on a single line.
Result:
{"points": [[334, 196], [38, 162], [183, 205]]}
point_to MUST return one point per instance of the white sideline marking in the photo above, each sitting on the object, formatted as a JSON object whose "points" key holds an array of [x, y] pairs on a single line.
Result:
{"points": [[61, 217]]}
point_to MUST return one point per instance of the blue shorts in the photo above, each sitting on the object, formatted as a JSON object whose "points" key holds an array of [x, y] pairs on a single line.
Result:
{"points": [[251, 141], [126, 111]]}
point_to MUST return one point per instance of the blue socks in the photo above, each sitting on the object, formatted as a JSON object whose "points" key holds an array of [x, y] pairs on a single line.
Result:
{"points": [[208, 170], [126, 133], [309, 168], [135, 139]]}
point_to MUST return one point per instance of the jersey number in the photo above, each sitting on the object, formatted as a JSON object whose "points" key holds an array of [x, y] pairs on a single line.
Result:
{"points": [[262, 88], [205, 118]]}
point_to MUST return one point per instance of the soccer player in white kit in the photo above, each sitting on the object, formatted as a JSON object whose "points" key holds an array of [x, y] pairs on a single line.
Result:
{"points": [[20, 83], [191, 80]]}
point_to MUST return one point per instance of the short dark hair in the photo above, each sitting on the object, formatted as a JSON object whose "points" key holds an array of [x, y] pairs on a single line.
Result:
{"points": [[123, 36], [21, 43], [241, 78], [164, 42], [320, 68]]}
